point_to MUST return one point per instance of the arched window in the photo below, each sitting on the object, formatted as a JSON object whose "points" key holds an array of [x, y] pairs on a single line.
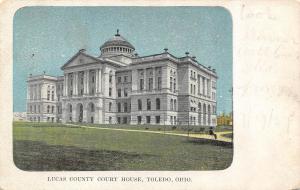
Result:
{"points": [[157, 104], [140, 104]]}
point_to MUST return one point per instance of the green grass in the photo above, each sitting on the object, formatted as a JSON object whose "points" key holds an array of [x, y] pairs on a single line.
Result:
{"points": [[47, 146]]}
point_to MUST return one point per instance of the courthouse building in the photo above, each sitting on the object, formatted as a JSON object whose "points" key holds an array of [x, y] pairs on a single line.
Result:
{"points": [[119, 86]]}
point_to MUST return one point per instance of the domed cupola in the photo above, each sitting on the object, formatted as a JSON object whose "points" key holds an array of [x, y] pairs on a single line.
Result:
{"points": [[117, 45]]}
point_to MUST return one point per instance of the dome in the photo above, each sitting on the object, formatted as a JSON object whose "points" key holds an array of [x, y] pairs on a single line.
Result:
{"points": [[117, 40], [117, 45]]}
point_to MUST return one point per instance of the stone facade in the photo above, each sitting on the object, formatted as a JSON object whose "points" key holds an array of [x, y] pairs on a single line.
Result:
{"points": [[122, 87]]}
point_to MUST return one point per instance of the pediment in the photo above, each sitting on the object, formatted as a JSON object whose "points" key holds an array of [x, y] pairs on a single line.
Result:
{"points": [[80, 59]]}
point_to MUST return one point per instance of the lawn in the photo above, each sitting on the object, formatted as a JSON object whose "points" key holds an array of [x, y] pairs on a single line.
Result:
{"points": [[48, 147]]}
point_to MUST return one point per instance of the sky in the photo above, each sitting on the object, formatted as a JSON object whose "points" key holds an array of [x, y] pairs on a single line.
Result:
{"points": [[45, 38]]}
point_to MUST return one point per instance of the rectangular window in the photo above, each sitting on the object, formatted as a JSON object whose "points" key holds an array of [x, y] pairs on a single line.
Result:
{"points": [[125, 107], [125, 78], [174, 85], [191, 89], [125, 92], [171, 120], [150, 83], [109, 93], [171, 83], [119, 79], [110, 78], [124, 120], [159, 83], [139, 119], [141, 84], [119, 120], [148, 119], [148, 104], [119, 92], [157, 119], [139, 105]]}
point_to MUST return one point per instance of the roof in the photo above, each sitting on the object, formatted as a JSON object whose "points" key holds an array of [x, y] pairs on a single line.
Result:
{"points": [[117, 40]]}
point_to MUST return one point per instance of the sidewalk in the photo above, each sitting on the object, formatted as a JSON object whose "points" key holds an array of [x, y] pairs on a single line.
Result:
{"points": [[201, 136]]}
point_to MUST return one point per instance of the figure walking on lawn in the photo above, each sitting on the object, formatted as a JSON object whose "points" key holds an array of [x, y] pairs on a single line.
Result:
{"points": [[211, 132]]}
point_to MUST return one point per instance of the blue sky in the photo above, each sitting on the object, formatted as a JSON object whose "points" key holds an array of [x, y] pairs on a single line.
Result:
{"points": [[54, 34]]}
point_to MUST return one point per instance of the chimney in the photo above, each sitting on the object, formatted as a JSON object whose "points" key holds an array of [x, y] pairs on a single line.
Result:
{"points": [[166, 50], [187, 53], [82, 50]]}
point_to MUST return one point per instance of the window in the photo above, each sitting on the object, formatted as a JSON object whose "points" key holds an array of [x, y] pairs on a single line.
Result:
{"points": [[124, 120], [39, 109], [125, 92], [93, 78], [175, 105], [174, 85], [92, 107], [125, 107], [191, 89], [71, 92], [139, 104], [125, 78], [52, 109], [110, 78], [48, 109], [70, 109], [150, 83], [119, 120], [109, 120], [148, 119], [157, 119], [119, 92], [175, 121], [139, 119], [171, 83], [119, 79], [159, 83], [157, 104], [34, 109], [141, 84], [109, 106], [171, 104], [119, 107], [148, 104], [52, 96], [48, 95], [109, 93], [171, 120]]}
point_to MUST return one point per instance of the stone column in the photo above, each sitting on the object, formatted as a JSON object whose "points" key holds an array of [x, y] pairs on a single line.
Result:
{"points": [[204, 86], [208, 87], [66, 85], [134, 81], [154, 79], [74, 113], [87, 81], [100, 80], [74, 83], [97, 81], [145, 79]]}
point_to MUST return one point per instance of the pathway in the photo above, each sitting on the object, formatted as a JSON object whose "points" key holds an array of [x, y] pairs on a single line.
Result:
{"points": [[201, 136]]}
